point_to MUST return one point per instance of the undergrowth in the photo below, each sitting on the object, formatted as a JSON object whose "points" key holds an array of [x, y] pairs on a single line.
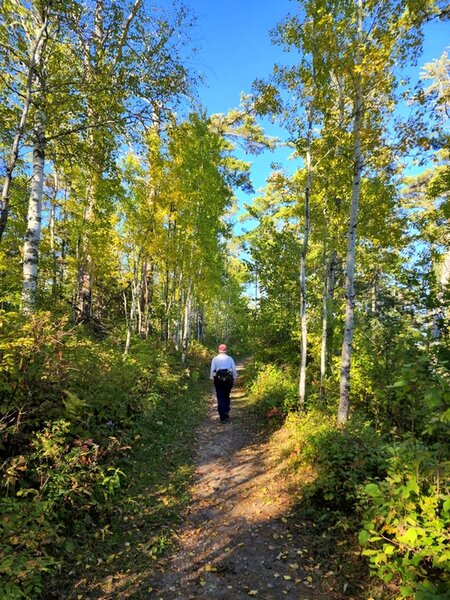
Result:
{"points": [[78, 418], [386, 490]]}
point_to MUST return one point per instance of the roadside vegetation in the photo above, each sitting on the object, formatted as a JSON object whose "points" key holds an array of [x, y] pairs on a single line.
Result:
{"points": [[100, 450]]}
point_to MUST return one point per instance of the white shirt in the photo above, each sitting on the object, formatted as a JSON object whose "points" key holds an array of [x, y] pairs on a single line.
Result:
{"points": [[223, 361]]}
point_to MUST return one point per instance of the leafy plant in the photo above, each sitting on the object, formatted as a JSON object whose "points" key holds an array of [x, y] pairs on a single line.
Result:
{"points": [[28, 535], [343, 459], [406, 525], [273, 387]]}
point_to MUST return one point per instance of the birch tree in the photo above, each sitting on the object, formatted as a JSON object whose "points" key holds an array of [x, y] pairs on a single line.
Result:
{"points": [[383, 36], [20, 73]]}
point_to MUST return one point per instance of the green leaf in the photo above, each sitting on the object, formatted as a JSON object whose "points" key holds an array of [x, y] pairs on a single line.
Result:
{"points": [[372, 490], [400, 383], [410, 536], [445, 417], [363, 537], [406, 591], [412, 485]]}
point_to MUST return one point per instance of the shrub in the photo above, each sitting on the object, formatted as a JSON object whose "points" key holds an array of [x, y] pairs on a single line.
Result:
{"points": [[406, 527], [273, 387], [343, 459], [61, 477], [33, 371], [27, 539]]}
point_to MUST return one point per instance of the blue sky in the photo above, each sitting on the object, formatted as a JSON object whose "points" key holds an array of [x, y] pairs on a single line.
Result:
{"points": [[235, 48]]}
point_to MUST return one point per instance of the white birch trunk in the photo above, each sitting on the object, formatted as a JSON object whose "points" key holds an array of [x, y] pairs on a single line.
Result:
{"points": [[186, 325], [85, 268], [327, 315], [34, 219], [303, 269], [323, 349], [344, 400], [35, 57], [135, 292]]}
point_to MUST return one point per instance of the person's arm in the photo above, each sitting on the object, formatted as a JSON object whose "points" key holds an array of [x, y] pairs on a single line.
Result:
{"points": [[211, 373], [234, 370]]}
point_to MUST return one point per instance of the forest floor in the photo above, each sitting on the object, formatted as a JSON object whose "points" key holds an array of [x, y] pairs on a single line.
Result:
{"points": [[242, 532]]}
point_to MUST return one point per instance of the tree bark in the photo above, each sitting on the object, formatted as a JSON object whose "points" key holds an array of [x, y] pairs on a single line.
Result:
{"points": [[35, 57], [34, 219], [85, 276], [186, 324], [327, 316], [323, 350], [344, 400], [303, 268], [52, 221], [135, 292]]}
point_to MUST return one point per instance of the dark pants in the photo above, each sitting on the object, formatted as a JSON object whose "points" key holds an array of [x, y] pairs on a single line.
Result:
{"points": [[223, 389]]}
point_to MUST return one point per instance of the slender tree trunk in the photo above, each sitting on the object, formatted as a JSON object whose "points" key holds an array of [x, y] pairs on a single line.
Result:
{"points": [[140, 283], [34, 219], [84, 295], [178, 333], [146, 299], [200, 324], [52, 220], [323, 350], [165, 318], [64, 242], [133, 307], [374, 295], [344, 401], [93, 61], [303, 268], [334, 265], [143, 302], [216, 321], [35, 57], [187, 324], [328, 317]]}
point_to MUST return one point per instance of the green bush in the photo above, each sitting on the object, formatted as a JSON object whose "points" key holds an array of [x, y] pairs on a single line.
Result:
{"points": [[60, 477], [33, 371], [273, 387], [67, 472], [28, 535], [67, 401], [406, 526], [343, 459]]}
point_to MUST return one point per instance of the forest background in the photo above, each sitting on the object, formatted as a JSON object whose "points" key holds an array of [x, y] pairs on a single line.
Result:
{"points": [[122, 266]]}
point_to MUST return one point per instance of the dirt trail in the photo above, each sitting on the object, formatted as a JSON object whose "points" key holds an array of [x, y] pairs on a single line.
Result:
{"points": [[239, 539]]}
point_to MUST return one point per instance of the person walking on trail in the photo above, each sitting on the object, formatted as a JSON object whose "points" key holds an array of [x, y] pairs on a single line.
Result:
{"points": [[223, 373]]}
